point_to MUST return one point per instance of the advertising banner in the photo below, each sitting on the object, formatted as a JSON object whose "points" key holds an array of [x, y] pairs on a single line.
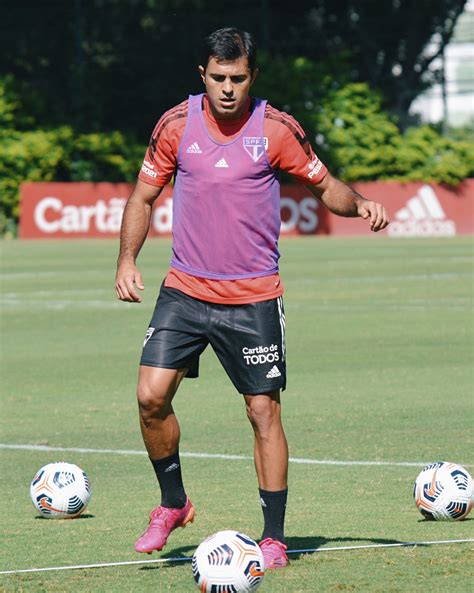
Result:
{"points": [[415, 209], [77, 210]]}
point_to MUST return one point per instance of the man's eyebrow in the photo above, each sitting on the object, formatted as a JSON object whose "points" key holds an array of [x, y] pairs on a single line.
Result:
{"points": [[233, 76]]}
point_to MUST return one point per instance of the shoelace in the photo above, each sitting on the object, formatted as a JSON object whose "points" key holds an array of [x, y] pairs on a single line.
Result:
{"points": [[272, 547], [267, 543], [158, 514]]}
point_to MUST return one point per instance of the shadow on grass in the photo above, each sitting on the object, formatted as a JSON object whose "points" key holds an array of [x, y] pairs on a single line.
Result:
{"points": [[300, 545], [85, 516], [313, 544], [184, 554], [428, 520]]}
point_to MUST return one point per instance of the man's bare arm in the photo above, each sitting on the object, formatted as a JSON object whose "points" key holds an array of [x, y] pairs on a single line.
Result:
{"points": [[135, 225], [344, 201]]}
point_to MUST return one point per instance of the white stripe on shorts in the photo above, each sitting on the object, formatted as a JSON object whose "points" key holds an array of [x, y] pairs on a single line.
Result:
{"points": [[282, 325]]}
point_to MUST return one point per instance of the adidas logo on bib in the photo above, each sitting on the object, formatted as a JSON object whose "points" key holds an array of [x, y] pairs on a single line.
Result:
{"points": [[273, 373], [222, 164], [194, 149]]}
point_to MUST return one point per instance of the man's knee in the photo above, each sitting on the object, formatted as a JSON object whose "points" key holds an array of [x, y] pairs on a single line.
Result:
{"points": [[263, 410], [155, 391], [152, 402]]}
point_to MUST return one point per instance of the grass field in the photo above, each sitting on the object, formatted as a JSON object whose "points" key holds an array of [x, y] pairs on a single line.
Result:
{"points": [[380, 345]]}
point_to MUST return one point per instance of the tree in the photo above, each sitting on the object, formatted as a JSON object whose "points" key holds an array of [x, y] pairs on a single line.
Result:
{"points": [[110, 64], [395, 42]]}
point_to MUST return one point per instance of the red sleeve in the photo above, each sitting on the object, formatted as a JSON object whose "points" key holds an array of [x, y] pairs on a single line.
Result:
{"points": [[289, 149], [159, 164]]}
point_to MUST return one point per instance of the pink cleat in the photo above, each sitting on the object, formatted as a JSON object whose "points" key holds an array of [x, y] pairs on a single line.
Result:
{"points": [[273, 553], [162, 522]]}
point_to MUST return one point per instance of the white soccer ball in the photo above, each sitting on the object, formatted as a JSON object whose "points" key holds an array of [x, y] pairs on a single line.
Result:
{"points": [[443, 491], [228, 562], [60, 490]]}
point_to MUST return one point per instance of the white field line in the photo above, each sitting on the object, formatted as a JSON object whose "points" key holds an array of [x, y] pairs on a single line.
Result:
{"points": [[215, 456], [189, 558]]}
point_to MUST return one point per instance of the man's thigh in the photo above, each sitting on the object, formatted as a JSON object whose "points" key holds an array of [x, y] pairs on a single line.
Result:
{"points": [[249, 340], [176, 336]]}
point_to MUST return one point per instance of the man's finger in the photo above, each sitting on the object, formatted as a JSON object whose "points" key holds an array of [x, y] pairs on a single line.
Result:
{"points": [[124, 296], [123, 291], [382, 220], [381, 224], [376, 217], [130, 288], [139, 281]]}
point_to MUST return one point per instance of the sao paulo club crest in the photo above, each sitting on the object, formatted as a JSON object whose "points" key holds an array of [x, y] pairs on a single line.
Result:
{"points": [[255, 146]]}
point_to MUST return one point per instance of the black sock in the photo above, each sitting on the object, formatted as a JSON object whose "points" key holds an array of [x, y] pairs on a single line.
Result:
{"points": [[168, 472], [274, 507]]}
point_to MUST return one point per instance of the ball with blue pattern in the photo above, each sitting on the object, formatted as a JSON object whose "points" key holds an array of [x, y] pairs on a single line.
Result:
{"points": [[60, 490]]}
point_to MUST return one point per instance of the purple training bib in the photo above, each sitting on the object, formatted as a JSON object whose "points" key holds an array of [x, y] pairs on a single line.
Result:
{"points": [[226, 201]]}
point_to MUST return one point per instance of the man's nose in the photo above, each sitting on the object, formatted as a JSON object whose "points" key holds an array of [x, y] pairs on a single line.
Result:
{"points": [[228, 88]]}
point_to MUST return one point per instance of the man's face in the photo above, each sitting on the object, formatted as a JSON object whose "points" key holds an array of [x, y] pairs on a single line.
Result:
{"points": [[227, 86]]}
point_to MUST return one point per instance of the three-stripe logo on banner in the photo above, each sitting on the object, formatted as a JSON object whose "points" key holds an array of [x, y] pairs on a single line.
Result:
{"points": [[423, 216]]}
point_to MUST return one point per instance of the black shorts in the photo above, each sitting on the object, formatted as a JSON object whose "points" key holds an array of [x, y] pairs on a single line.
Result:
{"points": [[249, 340]]}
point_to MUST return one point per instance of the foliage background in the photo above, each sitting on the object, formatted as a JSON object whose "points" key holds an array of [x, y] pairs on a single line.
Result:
{"points": [[83, 82]]}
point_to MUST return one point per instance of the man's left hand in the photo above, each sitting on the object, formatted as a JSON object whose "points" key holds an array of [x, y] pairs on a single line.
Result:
{"points": [[375, 213]]}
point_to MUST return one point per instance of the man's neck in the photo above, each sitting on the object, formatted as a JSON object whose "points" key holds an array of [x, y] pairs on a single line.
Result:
{"points": [[223, 122]]}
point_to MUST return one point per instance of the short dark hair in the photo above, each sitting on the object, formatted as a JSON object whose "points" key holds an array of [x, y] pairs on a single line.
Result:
{"points": [[229, 44]]}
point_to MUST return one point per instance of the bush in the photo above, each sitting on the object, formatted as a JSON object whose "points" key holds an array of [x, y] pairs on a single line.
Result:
{"points": [[105, 157], [351, 132], [30, 156], [59, 155], [361, 142], [298, 85], [428, 156], [12, 110], [55, 155], [346, 123]]}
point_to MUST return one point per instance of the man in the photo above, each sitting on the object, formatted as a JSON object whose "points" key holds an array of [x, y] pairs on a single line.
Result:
{"points": [[223, 288]]}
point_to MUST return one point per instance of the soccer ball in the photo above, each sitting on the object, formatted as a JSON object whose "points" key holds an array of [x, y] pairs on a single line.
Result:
{"points": [[443, 491], [60, 490], [228, 562]]}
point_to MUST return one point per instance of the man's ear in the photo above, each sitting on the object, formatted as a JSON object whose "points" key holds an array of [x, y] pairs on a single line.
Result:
{"points": [[202, 72], [254, 75]]}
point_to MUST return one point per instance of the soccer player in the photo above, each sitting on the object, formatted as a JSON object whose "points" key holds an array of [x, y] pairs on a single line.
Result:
{"points": [[225, 149]]}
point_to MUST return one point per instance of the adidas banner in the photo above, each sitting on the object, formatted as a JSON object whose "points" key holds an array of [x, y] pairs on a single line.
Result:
{"points": [[415, 209], [63, 210]]}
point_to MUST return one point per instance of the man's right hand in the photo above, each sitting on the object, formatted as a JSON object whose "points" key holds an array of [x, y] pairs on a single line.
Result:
{"points": [[127, 279]]}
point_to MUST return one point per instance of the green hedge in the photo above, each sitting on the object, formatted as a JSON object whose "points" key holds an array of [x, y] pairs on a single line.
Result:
{"points": [[58, 154], [347, 125], [61, 155], [350, 130], [361, 142]]}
